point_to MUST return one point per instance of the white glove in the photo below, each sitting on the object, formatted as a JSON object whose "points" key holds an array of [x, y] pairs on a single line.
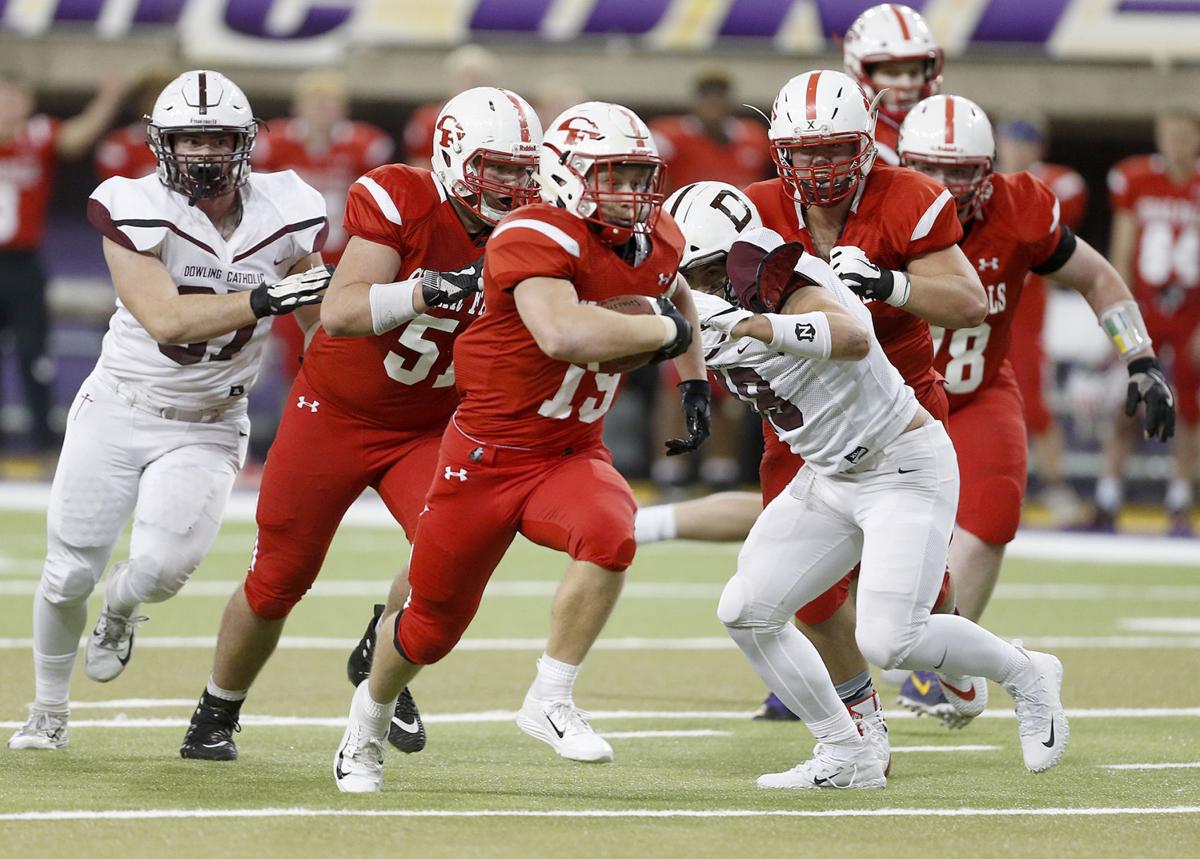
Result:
{"points": [[719, 316], [866, 279], [297, 290]]}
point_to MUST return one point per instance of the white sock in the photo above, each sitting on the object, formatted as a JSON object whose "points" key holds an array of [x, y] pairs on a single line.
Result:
{"points": [[655, 524], [373, 715], [1109, 493], [57, 629], [955, 646], [789, 664], [555, 681], [1179, 496], [225, 694]]}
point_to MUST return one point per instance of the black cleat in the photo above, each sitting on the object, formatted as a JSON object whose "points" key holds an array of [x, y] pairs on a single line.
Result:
{"points": [[407, 731], [210, 735]]}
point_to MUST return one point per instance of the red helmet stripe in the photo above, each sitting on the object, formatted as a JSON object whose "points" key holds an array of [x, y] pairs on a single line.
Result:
{"points": [[810, 97], [949, 121], [900, 18], [521, 117]]}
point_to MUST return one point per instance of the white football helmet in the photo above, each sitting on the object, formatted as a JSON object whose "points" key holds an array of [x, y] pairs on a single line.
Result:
{"points": [[202, 101], [485, 150], [711, 215], [581, 151], [817, 109], [950, 138], [892, 32]]}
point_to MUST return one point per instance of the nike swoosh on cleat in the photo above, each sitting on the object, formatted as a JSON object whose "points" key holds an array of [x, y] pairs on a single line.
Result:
{"points": [[411, 727], [555, 727], [1050, 742], [905, 470], [820, 782], [337, 769], [966, 696]]}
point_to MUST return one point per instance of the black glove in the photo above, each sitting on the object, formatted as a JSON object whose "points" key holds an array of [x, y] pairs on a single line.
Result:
{"points": [[683, 332], [440, 288], [1148, 385], [864, 278], [697, 395], [297, 290]]}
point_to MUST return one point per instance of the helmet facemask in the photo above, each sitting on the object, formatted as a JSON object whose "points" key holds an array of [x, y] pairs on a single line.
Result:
{"points": [[202, 175], [623, 195], [834, 178], [969, 180], [709, 275], [494, 183]]}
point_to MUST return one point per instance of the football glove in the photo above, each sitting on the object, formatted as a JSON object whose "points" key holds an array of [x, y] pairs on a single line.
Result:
{"points": [[1148, 385], [723, 318], [866, 279], [697, 395], [297, 290], [683, 332], [440, 288]]}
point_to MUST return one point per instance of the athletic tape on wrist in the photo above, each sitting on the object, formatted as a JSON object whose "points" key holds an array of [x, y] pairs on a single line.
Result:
{"points": [[901, 288], [392, 304], [1123, 324], [805, 335]]}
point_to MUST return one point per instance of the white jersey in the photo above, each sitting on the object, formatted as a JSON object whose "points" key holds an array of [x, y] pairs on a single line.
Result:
{"points": [[283, 221], [835, 414]]}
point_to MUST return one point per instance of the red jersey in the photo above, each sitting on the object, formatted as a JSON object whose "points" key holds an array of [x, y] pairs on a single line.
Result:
{"points": [[1018, 229], [27, 165], [897, 215], [355, 148], [1069, 187], [123, 152], [887, 138], [418, 134], [402, 379], [513, 393], [1166, 255], [693, 155]]}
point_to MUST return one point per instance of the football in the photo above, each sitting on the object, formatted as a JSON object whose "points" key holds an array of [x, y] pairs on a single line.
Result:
{"points": [[634, 305]]}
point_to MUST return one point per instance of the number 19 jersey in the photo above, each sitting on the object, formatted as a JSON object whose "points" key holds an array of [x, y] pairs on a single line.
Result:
{"points": [[402, 379]]}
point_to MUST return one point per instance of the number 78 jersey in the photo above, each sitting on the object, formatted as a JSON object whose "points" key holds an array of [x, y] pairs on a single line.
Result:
{"points": [[1017, 231], [402, 379]]}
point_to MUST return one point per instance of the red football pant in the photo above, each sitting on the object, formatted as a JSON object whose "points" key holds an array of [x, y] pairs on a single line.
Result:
{"points": [[779, 465], [322, 460], [1026, 355], [989, 438], [481, 497]]}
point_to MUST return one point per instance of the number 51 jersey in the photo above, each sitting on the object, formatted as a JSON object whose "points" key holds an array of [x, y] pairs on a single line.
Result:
{"points": [[402, 379], [283, 221]]}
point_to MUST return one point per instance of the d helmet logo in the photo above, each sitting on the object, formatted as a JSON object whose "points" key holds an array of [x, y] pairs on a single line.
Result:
{"points": [[579, 128], [452, 132]]}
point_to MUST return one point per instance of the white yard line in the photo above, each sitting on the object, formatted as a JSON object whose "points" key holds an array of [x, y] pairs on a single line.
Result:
{"points": [[256, 813], [1193, 765], [700, 643], [1160, 624], [501, 716], [927, 749], [654, 735], [133, 704]]}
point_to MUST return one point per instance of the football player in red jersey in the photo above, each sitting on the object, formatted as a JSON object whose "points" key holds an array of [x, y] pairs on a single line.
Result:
{"points": [[1156, 248], [523, 453], [377, 384], [1021, 145], [1012, 225], [889, 49], [30, 146]]}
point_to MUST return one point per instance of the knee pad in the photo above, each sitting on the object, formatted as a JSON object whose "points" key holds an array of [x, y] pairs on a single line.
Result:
{"points": [[995, 512], [885, 645], [272, 593], [609, 554], [429, 631], [70, 573], [153, 579]]}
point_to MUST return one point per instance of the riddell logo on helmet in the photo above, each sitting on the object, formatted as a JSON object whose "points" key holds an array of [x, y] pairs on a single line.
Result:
{"points": [[579, 128], [451, 131]]}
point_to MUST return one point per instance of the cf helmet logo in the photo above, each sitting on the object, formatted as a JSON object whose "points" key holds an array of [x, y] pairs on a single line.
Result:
{"points": [[451, 132], [579, 128]]}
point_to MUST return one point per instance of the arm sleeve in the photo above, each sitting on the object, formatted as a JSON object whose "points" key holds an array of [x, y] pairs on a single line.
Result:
{"points": [[522, 248], [119, 210]]}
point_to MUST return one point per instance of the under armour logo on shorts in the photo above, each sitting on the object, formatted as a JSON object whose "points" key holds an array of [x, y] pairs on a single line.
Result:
{"points": [[461, 474], [993, 263], [312, 407]]}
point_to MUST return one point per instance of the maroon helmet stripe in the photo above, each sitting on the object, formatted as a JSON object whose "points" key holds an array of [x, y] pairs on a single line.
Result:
{"points": [[203, 94], [810, 97]]}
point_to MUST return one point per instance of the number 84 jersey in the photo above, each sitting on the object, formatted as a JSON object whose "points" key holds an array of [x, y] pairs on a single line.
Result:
{"points": [[402, 379], [835, 414]]}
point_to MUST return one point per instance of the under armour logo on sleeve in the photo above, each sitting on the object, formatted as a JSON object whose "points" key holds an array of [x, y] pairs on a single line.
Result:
{"points": [[312, 406]]}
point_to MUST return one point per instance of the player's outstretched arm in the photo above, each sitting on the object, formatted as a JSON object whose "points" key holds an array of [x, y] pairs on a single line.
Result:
{"points": [[945, 290], [811, 325], [145, 287], [366, 266], [691, 363], [567, 330], [1091, 275], [78, 133]]}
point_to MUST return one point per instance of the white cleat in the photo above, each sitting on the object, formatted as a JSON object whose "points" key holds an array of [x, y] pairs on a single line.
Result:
{"points": [[967, 697], [110, 646], [868, 715], [562, 725], [358, 764], [44, 730], [1041, 720], [862, 771]]}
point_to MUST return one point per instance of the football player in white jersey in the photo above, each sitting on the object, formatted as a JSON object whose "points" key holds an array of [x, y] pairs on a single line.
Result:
{"points": [[202, 255], [880, 484]]}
